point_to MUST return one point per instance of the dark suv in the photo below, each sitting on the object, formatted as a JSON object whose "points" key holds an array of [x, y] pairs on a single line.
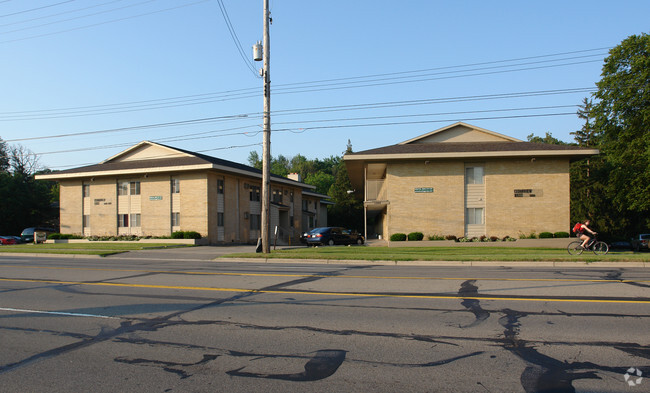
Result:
{"points": [[333, 235], [27, 236], [641, 242]]}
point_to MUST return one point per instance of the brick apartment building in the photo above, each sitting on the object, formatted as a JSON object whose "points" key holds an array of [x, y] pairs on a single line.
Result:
{"points": [[462, 180], [153, 190]]}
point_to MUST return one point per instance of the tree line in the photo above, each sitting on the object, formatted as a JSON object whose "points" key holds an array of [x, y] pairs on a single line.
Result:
{"points": [[329, 176], [612, 189], [24, 202]]}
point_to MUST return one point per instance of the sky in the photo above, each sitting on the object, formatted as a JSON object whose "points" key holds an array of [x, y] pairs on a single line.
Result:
{"points": [[82, 80]]}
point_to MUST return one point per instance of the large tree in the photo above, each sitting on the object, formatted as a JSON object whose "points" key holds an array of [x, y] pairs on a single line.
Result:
{"points": [[24, 202], [618, 124]]}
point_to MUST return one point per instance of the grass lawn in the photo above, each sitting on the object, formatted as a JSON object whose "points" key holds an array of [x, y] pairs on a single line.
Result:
{"points": [[90, 248], [447, 254]]}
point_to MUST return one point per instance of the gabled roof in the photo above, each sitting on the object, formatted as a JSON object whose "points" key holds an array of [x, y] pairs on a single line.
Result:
{"points": [[461, 140], [460, 132], [149, 157]]}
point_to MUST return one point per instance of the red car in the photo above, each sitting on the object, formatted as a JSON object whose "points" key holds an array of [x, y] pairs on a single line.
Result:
{"points": [[7, 240]]}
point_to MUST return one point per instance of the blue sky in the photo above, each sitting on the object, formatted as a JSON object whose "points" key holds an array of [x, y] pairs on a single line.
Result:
{"points": [[86, 79]]}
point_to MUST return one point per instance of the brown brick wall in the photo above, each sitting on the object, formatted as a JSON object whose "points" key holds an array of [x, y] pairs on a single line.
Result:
{"points": [[443, 211]]}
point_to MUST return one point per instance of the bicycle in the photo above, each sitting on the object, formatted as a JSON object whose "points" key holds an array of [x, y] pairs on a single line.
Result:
{"points": [[598, 247]]}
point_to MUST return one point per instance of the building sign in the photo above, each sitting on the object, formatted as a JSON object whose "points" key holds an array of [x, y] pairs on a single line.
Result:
{"points": [[419, 190], [101, 201], [155, 198], [527, 193]]}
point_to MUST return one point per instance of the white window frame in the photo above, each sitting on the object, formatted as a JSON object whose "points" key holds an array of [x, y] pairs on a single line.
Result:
{"points": [[475, 216]]}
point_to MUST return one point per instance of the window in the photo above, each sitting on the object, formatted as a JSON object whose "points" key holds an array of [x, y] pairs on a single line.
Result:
{"points": [[126, 188], [277, 196], [135, 220], [474, 175], [122, 220], [135, 188], [291, 197], [220, 186], [86, 190], [220, 219], [255, 194], [123, 188], [256, 223], [86, 221], [176, 186], [176, 219], [475, 216]]}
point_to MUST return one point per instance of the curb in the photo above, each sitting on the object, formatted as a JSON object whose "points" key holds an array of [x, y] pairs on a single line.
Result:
{"points": [[439, 263]]}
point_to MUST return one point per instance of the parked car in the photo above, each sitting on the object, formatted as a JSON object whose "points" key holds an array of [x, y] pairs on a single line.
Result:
{"points": [[333, 235], [7, 240], [27, 234], [621, 245], [305, 236], [640, 242]]}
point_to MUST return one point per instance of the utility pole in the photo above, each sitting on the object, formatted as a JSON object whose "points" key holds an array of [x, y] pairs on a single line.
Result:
{"points": [[266, 154]]}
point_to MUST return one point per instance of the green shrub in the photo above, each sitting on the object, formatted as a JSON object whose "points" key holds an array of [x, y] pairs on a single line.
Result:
{"points": [[59, 236], [191, 235], [415, 236], [546, 235], [561, 235], [436, 237], [178, 235], [532, 235], [398, 237]]}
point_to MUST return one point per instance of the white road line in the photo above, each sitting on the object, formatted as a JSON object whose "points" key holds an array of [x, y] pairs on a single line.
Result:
{"points": [[68, 314]]}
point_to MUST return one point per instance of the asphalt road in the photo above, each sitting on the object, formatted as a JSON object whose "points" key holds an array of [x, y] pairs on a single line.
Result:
{"points": [[169, 324]]}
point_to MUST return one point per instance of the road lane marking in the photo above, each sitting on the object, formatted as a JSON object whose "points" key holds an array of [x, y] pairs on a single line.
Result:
{"points": [[68, 314], [326, 275], [348, 294]]}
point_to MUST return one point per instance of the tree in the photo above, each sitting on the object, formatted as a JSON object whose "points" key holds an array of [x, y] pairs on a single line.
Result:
{"points": [[4, 156], [347, 210], [621, 131], [23, 161], [254, 160], [548, 139], [24, 202]]}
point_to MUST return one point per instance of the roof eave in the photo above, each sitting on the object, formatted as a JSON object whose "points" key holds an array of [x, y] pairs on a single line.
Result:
{"points": [[486, 154]]}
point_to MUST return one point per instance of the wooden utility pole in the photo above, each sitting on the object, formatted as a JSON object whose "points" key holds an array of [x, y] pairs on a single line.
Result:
{"points": [[266, 153]]}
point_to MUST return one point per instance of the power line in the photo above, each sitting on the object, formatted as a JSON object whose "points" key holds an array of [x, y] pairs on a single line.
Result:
{"points": [[78, 17], [280, 89], [380, 105], [103, 23], [36, 9], [235, 39], [59, 13], [206, 134]]}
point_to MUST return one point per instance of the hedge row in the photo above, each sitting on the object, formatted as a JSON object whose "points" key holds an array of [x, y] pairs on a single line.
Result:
{"points": [[416, 236], [175, 235]]}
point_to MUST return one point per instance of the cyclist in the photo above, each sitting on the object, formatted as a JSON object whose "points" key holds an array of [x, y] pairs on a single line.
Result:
{"points": [[585, 234]]}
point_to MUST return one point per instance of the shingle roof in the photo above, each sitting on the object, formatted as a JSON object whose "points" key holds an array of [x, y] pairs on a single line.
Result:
{"points": [[192, 160], [467, 147]]}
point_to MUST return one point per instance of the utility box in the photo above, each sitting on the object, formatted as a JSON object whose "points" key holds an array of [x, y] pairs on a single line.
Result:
{"points": [[40, 237]]}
